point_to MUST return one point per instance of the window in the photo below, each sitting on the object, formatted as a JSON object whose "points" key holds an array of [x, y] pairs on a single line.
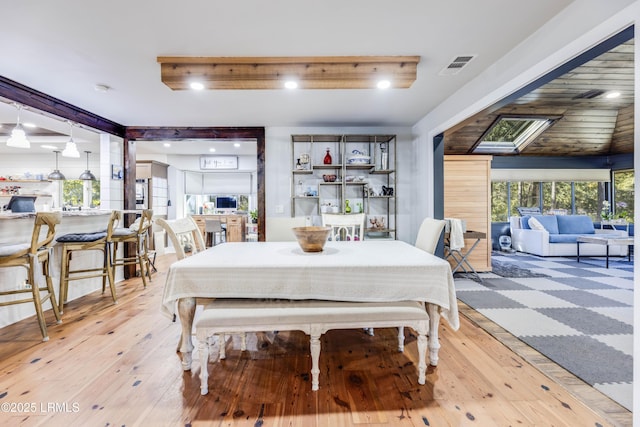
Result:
{"points": [[623, 194], [556, 197], [589, 197], [511, 134], [499, 200], [74, 192]]}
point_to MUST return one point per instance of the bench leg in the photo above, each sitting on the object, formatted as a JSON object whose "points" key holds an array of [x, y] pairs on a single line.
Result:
{"points": [[422, 352], [434, 343], [203, 350], [315, 360], [223, 346], [400, 339]]}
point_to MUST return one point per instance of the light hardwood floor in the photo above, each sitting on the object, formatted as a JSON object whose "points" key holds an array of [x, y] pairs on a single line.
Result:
{"points": [[116, 365]]}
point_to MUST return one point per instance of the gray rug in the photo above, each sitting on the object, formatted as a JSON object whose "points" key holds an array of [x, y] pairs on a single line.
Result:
{"points": [[508, 269], [578, 315]]}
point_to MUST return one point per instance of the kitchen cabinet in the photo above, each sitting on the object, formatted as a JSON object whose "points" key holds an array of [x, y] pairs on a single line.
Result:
{"points": [[236, 225], [346, 174]]}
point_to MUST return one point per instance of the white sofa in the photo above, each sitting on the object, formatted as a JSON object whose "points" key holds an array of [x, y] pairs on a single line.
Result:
{"points": [[559, 236]]}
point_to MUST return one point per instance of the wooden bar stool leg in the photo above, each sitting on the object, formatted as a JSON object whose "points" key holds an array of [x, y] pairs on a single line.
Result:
{"points": [[51, 296], [64, 278]]}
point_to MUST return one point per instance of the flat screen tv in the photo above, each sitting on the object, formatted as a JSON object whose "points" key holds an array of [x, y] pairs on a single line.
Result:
{"points": [[226, 203], [21, 204]]}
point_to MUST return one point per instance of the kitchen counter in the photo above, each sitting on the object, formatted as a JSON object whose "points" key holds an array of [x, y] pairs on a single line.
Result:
{"points": [[81, 213]]}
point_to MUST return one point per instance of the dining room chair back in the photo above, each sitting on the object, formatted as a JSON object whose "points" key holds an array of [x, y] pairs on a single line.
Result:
{"points": [[29, 255], [429, 234], [344, 227], [137, 236], [214, 232], [280, 229], [184, 234]]}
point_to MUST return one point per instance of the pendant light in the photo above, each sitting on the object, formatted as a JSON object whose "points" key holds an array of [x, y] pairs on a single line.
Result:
{"points": [[18, 137], [71, 150], [87, 175], [56, 174]]}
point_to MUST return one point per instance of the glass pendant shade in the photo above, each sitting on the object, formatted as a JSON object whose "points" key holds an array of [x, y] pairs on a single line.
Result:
{"points": [[56, 175], [71, 150], [18, 137], [87, 175]]}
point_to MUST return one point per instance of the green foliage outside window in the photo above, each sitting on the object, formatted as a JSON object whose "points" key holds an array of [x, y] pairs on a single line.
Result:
{"points": [[73, 193], [623, 194], [557, 195]]}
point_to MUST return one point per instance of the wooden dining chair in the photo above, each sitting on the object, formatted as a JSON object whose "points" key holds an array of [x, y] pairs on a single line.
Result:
{"points": [[29, 256], [184, 234], [280, 229], [429, 234], [344, 227]]}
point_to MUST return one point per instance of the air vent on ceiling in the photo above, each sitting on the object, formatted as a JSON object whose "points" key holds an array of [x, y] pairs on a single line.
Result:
{"points": [[590, 94], [456, 65]]}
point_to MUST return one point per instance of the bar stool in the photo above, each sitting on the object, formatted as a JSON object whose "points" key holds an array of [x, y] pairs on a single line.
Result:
{"points": [[213, 228], [28, 255], [96, 241], [136, 233]]}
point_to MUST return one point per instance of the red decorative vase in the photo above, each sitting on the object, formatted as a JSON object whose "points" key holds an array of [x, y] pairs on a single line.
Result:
{"points": [[327, 158]]}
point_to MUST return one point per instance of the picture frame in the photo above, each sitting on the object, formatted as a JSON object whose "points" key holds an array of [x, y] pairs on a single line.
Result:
{"points": [[116, 172], [218, 162]]}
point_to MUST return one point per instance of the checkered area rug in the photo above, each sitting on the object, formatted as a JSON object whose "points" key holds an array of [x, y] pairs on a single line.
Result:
{"points": [[580, 315]]}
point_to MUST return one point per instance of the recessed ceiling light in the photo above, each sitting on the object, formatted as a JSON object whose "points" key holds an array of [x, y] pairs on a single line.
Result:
{"points": [[29, 125], [384, 84], [101, 88], [237, 145], [212, 150], [166, 144], [290, 84], [196, 86], [613, 94]]}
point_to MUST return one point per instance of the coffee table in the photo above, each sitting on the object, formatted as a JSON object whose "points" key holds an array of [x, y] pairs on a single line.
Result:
{"points": [[602, 240]]}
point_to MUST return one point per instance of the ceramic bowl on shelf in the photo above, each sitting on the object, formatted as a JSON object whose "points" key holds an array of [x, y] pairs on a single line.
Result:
{"points": [[349, 178], [329, 178], [311, 238]]}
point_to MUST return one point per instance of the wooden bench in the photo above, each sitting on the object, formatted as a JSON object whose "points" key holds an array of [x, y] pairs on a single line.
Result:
{"points": [[313, 317]]}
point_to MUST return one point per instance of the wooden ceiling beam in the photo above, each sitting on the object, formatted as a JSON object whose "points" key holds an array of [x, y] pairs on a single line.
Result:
{"points": [[334, 72]]}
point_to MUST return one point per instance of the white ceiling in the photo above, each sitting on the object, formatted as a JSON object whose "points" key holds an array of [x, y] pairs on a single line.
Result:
{"points": [[64, 48]]}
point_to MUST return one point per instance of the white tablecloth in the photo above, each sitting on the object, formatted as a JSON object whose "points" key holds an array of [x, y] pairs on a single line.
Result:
{"points": [[363, 271]]}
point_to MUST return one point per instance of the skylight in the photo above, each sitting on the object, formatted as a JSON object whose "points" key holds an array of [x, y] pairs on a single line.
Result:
{"points": [[511, 134]]}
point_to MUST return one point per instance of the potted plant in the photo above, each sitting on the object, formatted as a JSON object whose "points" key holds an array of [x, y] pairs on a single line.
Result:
{"points": [[254, 216]]}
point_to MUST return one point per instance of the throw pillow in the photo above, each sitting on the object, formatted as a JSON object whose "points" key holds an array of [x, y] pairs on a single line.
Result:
{"points": [[535, 224]]}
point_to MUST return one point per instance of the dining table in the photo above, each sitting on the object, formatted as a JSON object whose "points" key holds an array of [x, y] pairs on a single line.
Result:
{"points": [[360, 271]]}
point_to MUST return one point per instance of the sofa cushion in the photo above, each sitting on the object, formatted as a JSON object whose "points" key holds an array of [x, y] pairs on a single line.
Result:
{"points": [[548, 221], [535, 224], [575, 224], [563, 238]]}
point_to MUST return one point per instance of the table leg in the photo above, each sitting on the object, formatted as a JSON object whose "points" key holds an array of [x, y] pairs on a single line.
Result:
{"points": [[186, 312], [577, 251], [434, 343], [607, 259]]}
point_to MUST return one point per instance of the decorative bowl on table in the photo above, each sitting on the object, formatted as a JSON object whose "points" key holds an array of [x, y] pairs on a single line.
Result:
{"points": [[311, 238], [329, 178]]}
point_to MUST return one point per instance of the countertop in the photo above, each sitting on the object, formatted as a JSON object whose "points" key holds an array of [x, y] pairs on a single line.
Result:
{"points": [[80, 213]]}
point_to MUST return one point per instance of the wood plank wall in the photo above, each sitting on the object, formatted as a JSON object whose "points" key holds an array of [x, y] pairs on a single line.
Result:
{"points": [[467, 195]]}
